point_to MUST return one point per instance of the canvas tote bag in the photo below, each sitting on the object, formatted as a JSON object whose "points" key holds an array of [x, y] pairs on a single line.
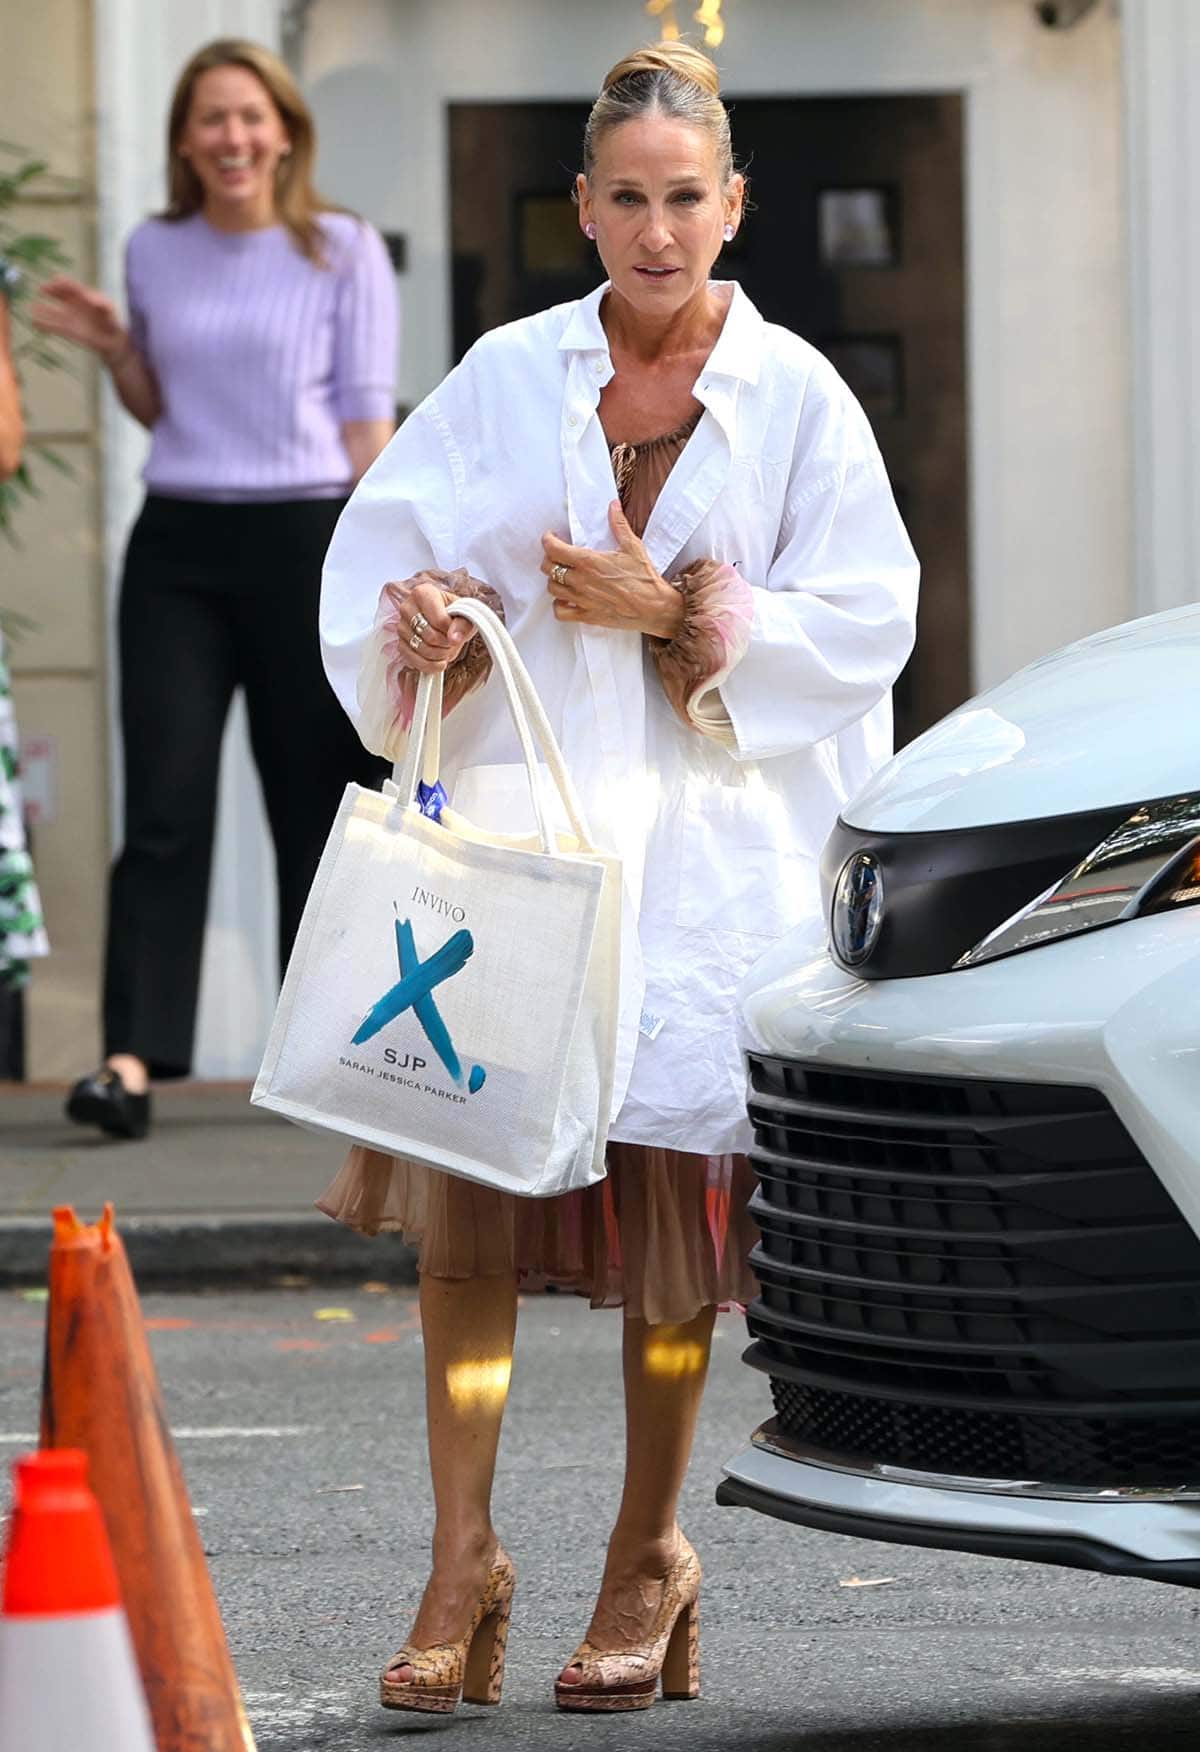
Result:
{"points": [[452, 995]]}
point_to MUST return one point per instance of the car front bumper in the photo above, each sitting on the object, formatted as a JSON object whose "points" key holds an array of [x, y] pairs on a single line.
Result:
{"points": [[1117, 1533], [968, 1267]]}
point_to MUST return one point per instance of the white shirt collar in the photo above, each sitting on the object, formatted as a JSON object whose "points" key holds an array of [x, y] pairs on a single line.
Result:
{"points": [[738, 349]]}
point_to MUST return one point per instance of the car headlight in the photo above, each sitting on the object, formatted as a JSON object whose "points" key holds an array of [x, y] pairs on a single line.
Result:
{"points": [[857, 915], [1149, 864]]}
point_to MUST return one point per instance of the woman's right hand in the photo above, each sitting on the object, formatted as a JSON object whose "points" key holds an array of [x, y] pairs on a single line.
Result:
{"points": [[440, 636], [75, 312]]}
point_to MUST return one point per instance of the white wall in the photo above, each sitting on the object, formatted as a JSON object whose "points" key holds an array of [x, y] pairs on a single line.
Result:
{"points": [[1049, 364]]}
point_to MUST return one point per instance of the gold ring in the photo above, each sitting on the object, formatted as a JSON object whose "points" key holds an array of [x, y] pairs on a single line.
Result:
{"points": [[559, 575], [419, 623], [414, 643]]}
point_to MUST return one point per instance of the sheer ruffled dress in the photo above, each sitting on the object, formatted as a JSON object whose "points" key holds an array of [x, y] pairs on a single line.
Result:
{"points": [[666, 1233]]}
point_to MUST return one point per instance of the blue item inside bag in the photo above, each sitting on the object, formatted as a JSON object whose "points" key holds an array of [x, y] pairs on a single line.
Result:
{"points": [[432, 799]]}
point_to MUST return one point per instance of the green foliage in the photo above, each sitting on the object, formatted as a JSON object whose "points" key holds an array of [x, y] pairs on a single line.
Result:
{"points": [[26, 259]]}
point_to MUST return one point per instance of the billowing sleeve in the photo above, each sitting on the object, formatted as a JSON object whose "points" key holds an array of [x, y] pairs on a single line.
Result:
{"points": [[366, 324], [402, 519], [718, 616], [834, 619]]}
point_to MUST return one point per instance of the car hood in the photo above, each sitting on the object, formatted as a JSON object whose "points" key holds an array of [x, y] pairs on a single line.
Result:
{"points": [[1107, 721]]}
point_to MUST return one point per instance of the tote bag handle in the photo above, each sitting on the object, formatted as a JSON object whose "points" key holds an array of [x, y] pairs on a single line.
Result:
{"points": [[421, 755], [549, 743], [505, 652], [513, 670]]}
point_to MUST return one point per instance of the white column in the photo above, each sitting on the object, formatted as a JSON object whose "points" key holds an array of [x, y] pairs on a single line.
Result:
{"points": [[139, 52], [1162, 124]]}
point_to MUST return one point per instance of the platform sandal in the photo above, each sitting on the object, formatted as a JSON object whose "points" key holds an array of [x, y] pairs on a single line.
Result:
{"points": [[627, 1679], [470, 1671]]}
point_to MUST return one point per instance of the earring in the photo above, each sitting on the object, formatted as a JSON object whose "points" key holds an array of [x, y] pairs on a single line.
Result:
{"points": [[729, 234], [589, 231]]}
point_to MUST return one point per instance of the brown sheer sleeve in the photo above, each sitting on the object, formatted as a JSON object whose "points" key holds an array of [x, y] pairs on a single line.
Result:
{"points": [[718, 617], [387, 686]]}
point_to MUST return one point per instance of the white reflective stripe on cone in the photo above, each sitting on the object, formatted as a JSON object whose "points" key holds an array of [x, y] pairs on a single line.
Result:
{"points": [[69, 1683]]}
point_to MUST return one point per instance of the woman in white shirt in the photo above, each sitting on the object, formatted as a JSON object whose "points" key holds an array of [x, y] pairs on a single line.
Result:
{"points": [[716, 648]]}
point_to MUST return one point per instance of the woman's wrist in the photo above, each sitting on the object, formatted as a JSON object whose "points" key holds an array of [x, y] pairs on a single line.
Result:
{"points": [[116, 357], [671, 615]]}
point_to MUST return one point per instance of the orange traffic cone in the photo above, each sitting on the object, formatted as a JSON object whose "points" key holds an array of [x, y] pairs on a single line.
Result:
{"points": [[68, 1678], [100, 1393]]}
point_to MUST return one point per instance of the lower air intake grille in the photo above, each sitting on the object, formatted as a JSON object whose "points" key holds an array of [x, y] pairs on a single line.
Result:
{"points": [[984, 1444], [978, 1278]]}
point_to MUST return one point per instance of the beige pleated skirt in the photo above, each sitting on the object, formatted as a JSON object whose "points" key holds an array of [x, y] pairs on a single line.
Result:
{"points": [[664, 1235]]}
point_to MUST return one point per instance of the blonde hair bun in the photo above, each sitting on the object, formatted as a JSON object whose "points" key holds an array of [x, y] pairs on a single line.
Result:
{"points": [[671, 79], [677, 58]]}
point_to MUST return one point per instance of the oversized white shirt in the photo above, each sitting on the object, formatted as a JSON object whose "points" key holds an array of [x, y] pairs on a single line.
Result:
{"points": [[782, 479]]}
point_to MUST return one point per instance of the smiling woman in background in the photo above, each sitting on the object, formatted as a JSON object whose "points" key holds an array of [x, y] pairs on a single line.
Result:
{"points": [[260, 353], [683, 515]]}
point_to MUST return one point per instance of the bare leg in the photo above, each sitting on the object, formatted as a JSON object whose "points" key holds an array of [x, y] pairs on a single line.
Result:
{"points": [[131, 1070], [469, 1325], [665, 1371]]}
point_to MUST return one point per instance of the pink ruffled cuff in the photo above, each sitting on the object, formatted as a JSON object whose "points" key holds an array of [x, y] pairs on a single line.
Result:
{"points": [[387, 686], [718, 617]]}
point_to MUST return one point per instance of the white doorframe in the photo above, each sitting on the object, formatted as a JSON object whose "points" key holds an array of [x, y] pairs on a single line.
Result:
{"points": [[1162, 165]]}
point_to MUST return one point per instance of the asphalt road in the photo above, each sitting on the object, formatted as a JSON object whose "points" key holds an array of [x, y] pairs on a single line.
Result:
{"points": [[298, 1418]]}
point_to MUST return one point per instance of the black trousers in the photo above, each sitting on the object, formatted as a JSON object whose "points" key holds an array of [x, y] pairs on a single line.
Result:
{"points": [[215, 597]]}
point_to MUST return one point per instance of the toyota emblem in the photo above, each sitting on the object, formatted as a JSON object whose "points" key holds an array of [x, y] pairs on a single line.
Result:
{"points": [[857, 909]]}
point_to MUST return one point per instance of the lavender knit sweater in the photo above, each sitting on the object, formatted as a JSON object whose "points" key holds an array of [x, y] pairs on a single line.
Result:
{"points": [[260, 355]]}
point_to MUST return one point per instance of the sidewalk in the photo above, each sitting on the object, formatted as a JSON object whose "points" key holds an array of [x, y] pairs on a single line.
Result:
{"points": [[219, 1193]]}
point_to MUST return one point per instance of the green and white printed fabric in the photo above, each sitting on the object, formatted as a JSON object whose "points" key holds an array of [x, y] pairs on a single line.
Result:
{"points": [[22, 936]]}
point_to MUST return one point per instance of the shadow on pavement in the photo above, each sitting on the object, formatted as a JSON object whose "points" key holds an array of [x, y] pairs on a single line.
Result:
{"points": [[1169, 1723], [1149, 1725]]}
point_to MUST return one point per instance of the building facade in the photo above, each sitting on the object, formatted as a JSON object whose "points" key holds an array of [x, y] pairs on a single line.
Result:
{"points": [[1029, 360]]}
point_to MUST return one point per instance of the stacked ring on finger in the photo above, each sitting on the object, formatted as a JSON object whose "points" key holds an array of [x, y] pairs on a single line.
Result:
{"points": [[414, 644], [559, 575], [419, 624]]}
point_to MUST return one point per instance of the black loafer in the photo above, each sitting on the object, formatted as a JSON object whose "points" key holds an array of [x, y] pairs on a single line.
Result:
{"points": [[102, 1099]]}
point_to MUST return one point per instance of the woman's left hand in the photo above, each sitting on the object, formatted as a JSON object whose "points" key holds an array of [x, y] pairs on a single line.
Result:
{"points": [[619, 589]]}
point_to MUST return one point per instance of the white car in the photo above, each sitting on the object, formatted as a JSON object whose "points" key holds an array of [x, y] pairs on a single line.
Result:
{"points": [[975, 1092]]}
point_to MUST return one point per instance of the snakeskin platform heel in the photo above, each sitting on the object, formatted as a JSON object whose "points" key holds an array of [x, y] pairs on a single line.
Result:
{"points": [[470, 1671], [629, 1678]]}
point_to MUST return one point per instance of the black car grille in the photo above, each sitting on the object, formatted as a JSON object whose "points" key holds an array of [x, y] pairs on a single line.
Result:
{"points": [[971, 1277]]}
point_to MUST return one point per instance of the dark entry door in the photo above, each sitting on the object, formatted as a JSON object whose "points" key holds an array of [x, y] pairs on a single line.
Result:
{"points": [[855, 241]]}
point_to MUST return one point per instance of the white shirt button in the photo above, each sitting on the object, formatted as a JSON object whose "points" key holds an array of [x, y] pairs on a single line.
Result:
{"points": [[599, 368], [571, 420]]}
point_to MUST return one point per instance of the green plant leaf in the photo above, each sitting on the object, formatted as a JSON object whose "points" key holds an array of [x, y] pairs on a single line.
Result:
{"points": [[55, 460], [15, 626], [33, 255]]}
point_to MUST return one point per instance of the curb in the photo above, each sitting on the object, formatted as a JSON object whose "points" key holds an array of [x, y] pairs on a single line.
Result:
{"points": [[197, 1253]]}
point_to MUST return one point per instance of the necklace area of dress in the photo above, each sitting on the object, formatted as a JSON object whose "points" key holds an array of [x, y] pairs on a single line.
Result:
{"points": [[625, 457]]}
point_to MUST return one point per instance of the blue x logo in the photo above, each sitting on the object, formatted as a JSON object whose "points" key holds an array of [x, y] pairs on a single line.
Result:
{"points": [[414, 991]]}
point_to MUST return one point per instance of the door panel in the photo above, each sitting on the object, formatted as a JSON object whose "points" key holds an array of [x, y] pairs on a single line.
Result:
{"points": [[854, 240]]}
